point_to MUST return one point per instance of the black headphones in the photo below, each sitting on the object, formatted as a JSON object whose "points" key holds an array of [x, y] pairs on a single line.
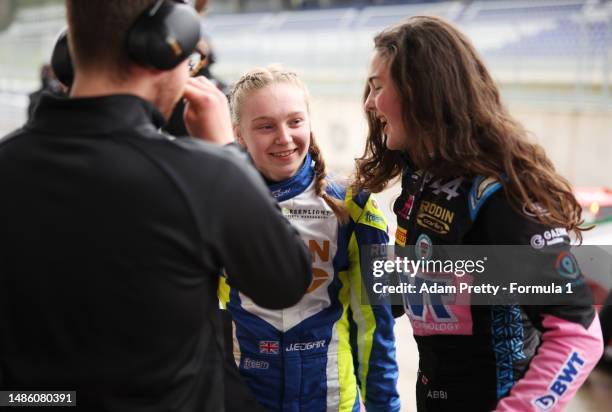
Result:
{"points": [[163, 36]]}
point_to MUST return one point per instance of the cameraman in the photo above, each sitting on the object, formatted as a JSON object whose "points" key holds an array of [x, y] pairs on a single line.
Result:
{"points": [[113, 234]]}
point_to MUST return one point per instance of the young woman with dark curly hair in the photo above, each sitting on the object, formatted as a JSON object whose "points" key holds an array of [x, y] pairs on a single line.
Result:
{"points": [[470, 176]]}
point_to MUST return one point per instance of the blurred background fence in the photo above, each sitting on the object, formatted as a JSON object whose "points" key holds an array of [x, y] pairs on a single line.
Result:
{"points": [[552, 59]]}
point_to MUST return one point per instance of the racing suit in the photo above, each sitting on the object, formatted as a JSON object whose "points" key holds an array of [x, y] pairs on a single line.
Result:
{"points": [[314, 356], [483, 358]]}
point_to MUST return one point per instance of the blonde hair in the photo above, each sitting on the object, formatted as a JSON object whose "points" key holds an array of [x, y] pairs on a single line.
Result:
{"points": [[261, 77]]}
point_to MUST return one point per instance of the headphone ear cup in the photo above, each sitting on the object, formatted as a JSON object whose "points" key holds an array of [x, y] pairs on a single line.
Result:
{"points": [[61, 62], [164, 35]]}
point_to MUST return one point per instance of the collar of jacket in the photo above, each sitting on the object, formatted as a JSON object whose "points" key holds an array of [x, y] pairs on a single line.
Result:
{"points": [[93, 115], [294, 185]]}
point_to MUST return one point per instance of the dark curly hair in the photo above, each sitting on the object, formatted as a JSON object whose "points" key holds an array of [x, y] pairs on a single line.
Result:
{"points": [[450, 101]]}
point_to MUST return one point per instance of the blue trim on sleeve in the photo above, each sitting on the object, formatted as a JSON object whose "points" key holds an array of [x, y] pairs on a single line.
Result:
{"points": [[475, 199], [381, 381], [507, 334]]}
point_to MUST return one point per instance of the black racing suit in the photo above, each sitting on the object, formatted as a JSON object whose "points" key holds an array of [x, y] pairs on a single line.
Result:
{"points": [[480, 358], [113, 236]]}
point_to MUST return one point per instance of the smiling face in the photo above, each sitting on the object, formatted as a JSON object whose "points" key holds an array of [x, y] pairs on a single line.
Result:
{"points": [[385, 102], [275, 128]]}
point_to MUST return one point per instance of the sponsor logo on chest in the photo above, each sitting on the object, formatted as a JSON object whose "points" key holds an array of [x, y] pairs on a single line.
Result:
{"points": [[307, 213], [320, 253], [435, 217], [304, 346]]}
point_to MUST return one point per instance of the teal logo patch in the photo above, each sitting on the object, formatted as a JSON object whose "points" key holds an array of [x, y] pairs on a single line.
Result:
{"points": [[567, 266]]}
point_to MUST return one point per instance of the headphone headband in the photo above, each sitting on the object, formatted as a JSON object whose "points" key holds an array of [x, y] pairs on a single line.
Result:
{"points": [[162, 36]]}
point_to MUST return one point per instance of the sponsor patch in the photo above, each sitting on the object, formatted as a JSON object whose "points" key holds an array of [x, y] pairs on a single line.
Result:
{"points": [[372, 218], [423, 247], [567, 266], [268, 346], [320, 253], [437, 394], [545, 402], [549, 238], [319, 277], [404, 212], [435, 217], [255, 364], [302, 346], [307, 213], [565, 377], [450, 188], [401, 235], [280, 192]]}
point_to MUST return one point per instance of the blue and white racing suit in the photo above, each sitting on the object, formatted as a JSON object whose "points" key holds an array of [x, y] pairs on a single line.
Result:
{"points": [[315, 355]]}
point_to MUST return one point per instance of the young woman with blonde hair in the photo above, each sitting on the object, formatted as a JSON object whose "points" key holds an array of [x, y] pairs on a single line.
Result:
{"points": [[331, 349]]}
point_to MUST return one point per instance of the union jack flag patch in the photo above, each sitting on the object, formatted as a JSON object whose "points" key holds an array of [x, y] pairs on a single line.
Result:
{"points": [[268, 346]]}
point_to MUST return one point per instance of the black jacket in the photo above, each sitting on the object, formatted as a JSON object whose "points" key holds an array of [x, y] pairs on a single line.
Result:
{"points": [[112, 239]]}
